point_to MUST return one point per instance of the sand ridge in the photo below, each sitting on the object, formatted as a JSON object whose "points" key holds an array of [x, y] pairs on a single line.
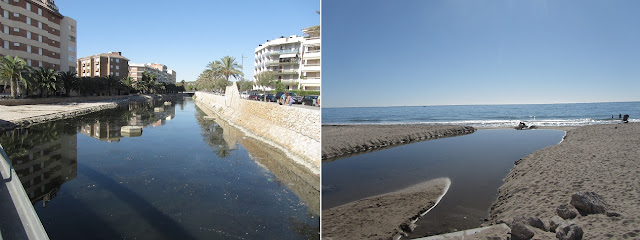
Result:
{"points": [[383, 216], [344, 140], [604, 159]]}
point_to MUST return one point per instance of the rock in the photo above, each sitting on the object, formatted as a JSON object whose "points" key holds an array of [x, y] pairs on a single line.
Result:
{"points": [[566, 211], [554, 223], [569, 231], [531, 221], [521, 231], [588, 203], [613, 214]]}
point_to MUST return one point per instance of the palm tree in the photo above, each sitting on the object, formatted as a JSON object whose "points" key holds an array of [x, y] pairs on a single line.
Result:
{"points": [[227, 67], [128, 83], [12, 70], [46, 79], [111, 82], [68, 79]]}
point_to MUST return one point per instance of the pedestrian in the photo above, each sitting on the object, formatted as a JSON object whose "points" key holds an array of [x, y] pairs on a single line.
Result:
{"points": [[318, 101], [620, 115], [282, 98], [289, 99]]}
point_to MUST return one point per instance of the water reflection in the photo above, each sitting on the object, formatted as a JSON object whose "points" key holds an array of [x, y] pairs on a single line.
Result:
{"points": [[223, 138], [189, 179], [44, 157]]}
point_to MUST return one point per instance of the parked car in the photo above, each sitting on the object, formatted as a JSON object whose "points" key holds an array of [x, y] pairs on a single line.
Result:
{"points": [[255, 96], [310, 100], [244, 95], [296, 99], [270, 97]]}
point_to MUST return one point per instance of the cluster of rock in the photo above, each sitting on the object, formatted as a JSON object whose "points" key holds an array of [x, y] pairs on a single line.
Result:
{"points": [[581, 204]]}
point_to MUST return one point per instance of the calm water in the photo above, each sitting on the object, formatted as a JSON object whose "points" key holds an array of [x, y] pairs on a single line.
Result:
{"points": [[182, 178], [577, 114], [475, 163]]}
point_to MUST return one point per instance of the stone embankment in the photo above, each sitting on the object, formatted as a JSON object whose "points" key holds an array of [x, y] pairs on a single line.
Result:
{"points": [[24, 112], [343, 140], [295, 131]]}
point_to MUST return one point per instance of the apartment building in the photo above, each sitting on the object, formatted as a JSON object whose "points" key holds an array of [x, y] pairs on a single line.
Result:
{"points": [[310, 65], [35, 31], [295, 60], [160, 70], [103, 65], [282, 57]]}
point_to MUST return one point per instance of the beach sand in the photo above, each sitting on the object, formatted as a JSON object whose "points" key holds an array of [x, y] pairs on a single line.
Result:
{"points": [[382, 216], [604, 159], [344, 140]]}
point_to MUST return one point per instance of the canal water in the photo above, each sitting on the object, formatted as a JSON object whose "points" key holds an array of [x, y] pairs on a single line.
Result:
{"points": [[475, 163], [183, 177]]}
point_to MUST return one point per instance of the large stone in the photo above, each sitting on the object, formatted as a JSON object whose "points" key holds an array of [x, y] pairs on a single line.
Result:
{"points": [[554, 223], [520, 230], [569, 231], [588, 203], [566, 211]]}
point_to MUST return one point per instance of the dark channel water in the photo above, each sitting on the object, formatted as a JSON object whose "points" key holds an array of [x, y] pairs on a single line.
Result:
{"points": [[475, 163], [183, 178]]}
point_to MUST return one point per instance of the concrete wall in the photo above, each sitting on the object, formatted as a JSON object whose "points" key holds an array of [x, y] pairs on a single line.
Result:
{"points": [[294, 130]]}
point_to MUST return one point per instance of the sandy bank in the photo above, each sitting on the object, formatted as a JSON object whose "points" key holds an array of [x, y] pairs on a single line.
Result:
{"points": [[382, 216], [342, 140], [599, 158], [13, 116]]}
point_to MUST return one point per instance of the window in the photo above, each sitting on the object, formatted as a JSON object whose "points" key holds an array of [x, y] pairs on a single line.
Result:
{"points": [[15, 44], [29, 20], [40, 11], [72, 49], [28, 6], [6, 29], [117, 60], [29, 48], [6, 44], [40, 25], [39, 38], [117, 74], [72, 38], [29, 62], [16, 14], [117, 67], [28, 35], [72, 59], [5, 14], [16, 29], [40, 51], [39, 63]]}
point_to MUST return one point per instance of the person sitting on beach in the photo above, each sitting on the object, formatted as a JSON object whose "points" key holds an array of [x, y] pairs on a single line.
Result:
{"points": [[625, 119]]}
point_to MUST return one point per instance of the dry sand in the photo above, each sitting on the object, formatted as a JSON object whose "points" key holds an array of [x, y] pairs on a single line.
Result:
{"points": [[604, 159], [343, 140], [382, 216]]}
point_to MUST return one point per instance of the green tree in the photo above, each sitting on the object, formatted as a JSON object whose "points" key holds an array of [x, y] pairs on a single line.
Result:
{"points": [[68, 80], [127, 83], [112, 82], [12, 70], [46, 79]]}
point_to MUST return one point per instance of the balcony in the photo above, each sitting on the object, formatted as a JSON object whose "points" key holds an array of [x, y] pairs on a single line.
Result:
{"points": [[310, 81], [288, 51], [285, 72], [311, 54], [311, 68]]}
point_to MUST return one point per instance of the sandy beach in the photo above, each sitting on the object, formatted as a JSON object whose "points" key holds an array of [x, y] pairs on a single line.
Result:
{"points": [[602, 159], [343, 140], [382, 216]]}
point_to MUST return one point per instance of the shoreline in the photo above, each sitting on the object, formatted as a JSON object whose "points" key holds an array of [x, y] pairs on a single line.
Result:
{"points": [[595, 158], [24, 115], [339, 141], [384, 216]]}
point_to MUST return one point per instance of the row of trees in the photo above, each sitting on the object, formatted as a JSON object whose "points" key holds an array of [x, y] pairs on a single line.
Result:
{"points": [[216, 75], [45, 81]]}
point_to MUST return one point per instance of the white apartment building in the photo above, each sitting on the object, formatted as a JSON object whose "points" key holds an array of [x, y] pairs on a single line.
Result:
{"points": [[295, 60], [160, 70]]}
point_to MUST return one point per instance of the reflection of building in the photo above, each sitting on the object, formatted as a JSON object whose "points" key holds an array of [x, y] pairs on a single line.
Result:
{"points": [[35, 31], [103, 65], [47, 166], [294, 60], [102, 130]]}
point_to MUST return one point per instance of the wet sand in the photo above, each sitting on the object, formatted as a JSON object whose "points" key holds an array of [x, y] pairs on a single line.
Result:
{"points": [[343, 140], [599, 158], [383, 216]]}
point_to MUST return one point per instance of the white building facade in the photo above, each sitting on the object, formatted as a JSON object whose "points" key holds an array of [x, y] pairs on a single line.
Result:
{"points": [[160, 70]]}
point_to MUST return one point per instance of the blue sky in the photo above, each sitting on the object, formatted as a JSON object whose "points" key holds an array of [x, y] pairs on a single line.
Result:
{"points": [[414, 52], [186, 35]]}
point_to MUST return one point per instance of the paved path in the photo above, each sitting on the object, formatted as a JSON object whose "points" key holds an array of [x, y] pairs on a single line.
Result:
{"points": [[16, 113]]}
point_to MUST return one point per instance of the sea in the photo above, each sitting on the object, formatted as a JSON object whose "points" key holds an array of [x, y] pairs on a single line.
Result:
{"points": [[488, 116]]}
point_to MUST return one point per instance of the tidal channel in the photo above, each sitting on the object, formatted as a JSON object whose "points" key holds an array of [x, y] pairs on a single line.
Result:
{"points": [[183, 177]]}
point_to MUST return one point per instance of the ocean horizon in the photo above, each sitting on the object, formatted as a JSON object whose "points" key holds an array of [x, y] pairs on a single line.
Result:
{"points": [[488, 116]]}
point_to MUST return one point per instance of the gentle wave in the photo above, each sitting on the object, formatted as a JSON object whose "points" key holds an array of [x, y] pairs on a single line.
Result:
{"points": [[503, 123]]}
